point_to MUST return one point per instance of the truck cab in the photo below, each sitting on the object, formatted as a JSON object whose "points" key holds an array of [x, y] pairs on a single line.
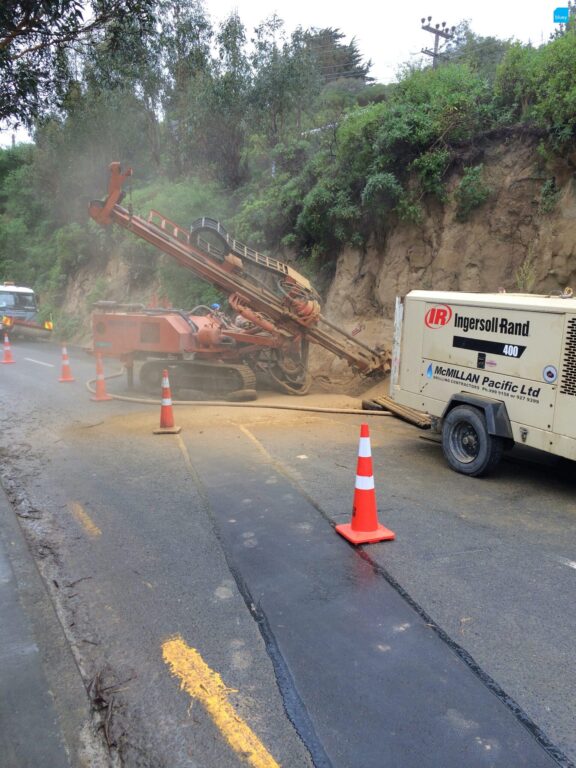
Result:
{"points": [[19, 310]]}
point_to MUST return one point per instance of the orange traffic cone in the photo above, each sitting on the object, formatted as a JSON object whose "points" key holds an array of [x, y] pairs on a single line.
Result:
{"points": [[364, 527], [166, 415], [66, 373], [7, 351], [101, 393]]}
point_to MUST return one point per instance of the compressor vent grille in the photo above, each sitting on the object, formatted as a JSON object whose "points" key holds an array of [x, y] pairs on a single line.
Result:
{"points": [[568, 381]]}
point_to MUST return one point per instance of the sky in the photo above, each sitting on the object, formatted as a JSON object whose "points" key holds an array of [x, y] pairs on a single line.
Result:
{"points": [[390, 34]]}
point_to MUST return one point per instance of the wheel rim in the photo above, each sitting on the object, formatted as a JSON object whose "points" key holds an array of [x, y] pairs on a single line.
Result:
{"points": [[464, 442]]}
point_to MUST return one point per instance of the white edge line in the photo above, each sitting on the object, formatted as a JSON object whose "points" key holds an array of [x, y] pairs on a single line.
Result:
{"points": [[565, 561], [39, 362]]}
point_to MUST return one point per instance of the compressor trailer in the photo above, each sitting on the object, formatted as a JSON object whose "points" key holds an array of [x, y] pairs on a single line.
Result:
{"points": [[493, 370]]}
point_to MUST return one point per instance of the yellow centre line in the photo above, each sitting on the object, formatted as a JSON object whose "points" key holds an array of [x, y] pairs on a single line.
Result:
{"points": [[205, 685], [256, 442], [84, 519]]}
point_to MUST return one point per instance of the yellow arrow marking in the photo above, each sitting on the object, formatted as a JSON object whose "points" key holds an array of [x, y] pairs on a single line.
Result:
{"points": [[84, 519], [202, 683]]}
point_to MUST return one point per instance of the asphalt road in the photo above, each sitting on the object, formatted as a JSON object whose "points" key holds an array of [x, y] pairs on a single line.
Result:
{"points": [[452, 645]]}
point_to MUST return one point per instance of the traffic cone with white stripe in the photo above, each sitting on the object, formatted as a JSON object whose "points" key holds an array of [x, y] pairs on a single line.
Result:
{"points": [[166, 414], [66, 373], [7, 351], [101, 393], [364, 527]]}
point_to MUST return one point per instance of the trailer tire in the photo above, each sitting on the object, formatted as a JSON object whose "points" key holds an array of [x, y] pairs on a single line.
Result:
{"points": [[467, 444]]}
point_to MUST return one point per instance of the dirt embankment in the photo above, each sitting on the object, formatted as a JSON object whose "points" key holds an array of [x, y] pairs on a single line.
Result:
{"points": [[520, 239]]}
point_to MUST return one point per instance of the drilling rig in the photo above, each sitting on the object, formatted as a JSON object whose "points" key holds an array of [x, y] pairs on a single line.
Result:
{"points": [[276, 315]]}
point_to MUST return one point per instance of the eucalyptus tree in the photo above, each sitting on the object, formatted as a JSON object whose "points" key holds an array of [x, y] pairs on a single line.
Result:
{"points": [[185, 42], [227, 100], [286, 80], [35, 39]]}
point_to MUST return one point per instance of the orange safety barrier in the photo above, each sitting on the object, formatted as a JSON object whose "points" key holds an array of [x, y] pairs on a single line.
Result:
{"points": [[66, 373], [101, 393], [166, 413], [364, 527], [7, 351]]}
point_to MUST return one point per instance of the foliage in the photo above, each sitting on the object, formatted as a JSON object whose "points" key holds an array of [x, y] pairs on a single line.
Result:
{"points": [[98, 292], [381, 189], [431, 168], [184, 52], [481, 54], [224, 113], [526, 273], [186, 201], [284, 137], [34, 37], [334, 59], [471, 193], [555, 90], [514, 85], [548, 196], [447, 104], [285, 80], [362, 180], [184, 290], [538, 85]]}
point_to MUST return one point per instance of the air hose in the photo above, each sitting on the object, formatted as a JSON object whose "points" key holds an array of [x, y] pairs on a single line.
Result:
{"points": [[226, 404]]}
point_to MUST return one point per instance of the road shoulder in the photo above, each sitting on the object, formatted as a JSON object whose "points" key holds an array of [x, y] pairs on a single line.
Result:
{"points": [[44, 709]]}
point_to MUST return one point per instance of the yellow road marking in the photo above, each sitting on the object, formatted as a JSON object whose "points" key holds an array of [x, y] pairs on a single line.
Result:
{"points": [[202, 683], [184, 450], [256, 442], [83, 518]]}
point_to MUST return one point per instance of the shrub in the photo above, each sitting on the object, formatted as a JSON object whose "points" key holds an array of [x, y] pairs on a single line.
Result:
{"points": [[471, 193], [549, 195]]}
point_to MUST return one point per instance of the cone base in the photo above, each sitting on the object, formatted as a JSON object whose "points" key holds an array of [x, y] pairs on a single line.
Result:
{"points": [[380, 533], [168, 431], [7, 362], [99, 398], [66, 378]]}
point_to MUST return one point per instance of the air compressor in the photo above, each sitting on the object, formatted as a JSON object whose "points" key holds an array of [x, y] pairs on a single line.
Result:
{"points": [[493, 370]]}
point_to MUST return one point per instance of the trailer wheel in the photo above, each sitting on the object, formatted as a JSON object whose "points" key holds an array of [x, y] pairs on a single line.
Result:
{"points": [[467, 446]]}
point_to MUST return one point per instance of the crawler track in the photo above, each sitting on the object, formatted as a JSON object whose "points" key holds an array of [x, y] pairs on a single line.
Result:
{"points": [[218, 379]]}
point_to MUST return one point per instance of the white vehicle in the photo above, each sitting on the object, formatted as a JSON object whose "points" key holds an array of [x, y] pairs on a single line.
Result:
{"points": [[493, 370], [19, 310]]}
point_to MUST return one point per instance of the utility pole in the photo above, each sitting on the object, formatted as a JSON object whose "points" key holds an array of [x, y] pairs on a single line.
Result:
{"points": [[440, 30]]}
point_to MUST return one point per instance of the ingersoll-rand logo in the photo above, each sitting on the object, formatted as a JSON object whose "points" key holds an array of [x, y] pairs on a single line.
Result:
{"points": [[438, 316]]}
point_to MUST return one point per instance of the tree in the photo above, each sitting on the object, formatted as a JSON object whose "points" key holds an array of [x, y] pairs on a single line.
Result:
{"points": [[286, 80], [482, 54], [334, 60], [35, 38], [121, 86], [186, 39], [227, 100]]}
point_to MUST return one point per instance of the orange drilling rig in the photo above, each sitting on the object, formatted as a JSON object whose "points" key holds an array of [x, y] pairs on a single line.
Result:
{"points": [[275, 318]]}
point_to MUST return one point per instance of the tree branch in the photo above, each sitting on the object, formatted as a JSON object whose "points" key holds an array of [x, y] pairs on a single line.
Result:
{"points": [[63, 38], [23, 28]]}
